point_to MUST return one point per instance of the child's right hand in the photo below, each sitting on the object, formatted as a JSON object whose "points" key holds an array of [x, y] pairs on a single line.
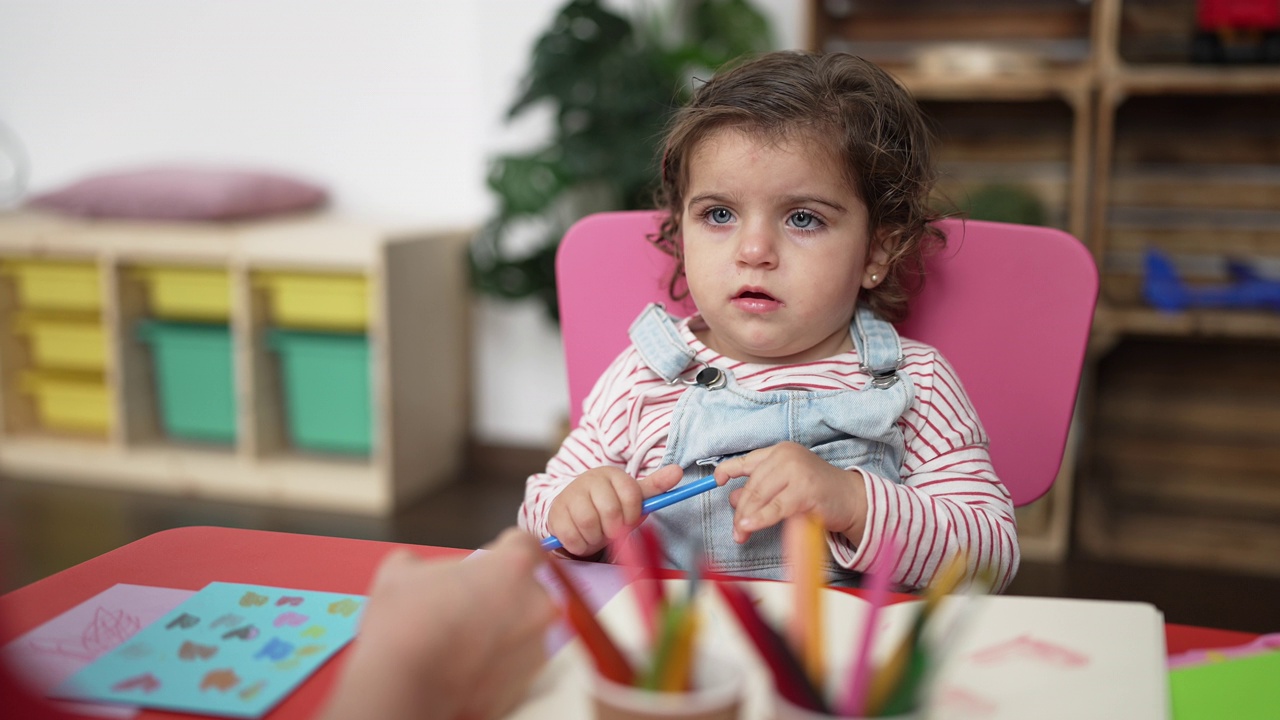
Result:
{"points": [[603, 504]]}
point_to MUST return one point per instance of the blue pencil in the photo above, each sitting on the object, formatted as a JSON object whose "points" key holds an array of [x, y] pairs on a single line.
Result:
{"points": [[657, 502]]}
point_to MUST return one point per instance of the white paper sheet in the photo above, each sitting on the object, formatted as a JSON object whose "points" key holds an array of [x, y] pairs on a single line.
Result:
{"points": [[1013, 658]]}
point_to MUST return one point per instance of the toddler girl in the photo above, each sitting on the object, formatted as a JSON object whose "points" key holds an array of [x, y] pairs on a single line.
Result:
{"points": [[795, 188]]}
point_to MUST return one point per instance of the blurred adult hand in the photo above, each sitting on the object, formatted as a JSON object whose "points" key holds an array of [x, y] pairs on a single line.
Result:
{"points": [[445, 640]]}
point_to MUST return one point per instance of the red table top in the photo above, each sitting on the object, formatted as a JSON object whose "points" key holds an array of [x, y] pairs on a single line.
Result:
{"points": [[190, 558]]}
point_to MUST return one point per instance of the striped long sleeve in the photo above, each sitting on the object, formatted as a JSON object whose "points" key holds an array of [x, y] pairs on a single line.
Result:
{"points": [[949, 500]]}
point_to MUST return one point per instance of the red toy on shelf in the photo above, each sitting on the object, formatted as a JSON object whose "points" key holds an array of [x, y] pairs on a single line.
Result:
{"points": [[1237, 31]]}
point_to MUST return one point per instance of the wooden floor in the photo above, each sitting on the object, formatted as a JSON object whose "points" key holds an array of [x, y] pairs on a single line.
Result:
{"points": [[45, 527]]}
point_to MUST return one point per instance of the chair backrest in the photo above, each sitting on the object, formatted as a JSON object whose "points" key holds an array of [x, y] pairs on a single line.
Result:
{"points": [[1010, 306]]}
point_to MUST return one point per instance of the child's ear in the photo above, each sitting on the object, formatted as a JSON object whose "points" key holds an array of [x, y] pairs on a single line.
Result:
{"points": [[877, 263]]}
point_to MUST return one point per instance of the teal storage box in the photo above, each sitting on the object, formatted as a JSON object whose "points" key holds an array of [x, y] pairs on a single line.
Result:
{"points": [[326, 389], [194, 379]]}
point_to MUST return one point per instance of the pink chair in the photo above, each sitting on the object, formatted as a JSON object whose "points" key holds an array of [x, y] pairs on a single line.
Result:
{"points": [[1010, 306]]}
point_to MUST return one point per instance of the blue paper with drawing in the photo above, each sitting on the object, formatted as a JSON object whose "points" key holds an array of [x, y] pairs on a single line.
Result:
{"points": [[233, 650]]}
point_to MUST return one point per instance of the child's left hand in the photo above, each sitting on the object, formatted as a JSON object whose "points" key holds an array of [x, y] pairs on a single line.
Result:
{"points": [[788, 479]]}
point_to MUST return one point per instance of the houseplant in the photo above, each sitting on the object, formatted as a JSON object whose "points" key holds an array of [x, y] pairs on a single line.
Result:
{"points": [[613, 81]]}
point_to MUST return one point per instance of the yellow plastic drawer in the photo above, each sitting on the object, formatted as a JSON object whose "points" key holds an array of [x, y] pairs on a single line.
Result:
{"points": [[70, 402], [316, 300], [187, 293], [55, 285], [64, 342]]}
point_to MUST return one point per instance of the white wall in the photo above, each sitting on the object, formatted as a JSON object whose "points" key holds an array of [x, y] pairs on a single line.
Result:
{"points": [[394, 105]]}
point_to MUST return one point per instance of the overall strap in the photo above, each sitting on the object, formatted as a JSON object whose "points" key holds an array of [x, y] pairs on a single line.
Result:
{"points": [[879, 348], [658, 341]]}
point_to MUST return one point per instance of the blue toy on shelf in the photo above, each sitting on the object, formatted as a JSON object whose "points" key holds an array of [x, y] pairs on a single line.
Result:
{"points": [[1247, 290]]}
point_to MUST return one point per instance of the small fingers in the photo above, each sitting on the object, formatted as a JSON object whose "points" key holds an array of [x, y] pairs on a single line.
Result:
{"points": [[661, 480], [734, 496], [734, 467], [769, 513], [609, 510], [564, 527], [587, 530], [761, 504], [630, 498], [759, 490]]}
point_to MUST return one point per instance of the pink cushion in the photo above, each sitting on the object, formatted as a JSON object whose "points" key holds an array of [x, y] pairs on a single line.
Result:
{"points": [[183, 193]]}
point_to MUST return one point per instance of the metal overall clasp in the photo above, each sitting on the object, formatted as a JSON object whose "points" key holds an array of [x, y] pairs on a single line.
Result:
{"points": [[709, 377], [883, 378]]}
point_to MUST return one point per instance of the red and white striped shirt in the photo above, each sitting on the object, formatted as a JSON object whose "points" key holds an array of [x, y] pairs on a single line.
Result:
{"points": [[949, 501]]}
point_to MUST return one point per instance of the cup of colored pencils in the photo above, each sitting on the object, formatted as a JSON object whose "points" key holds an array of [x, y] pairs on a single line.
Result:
{"points": [[671, 675], [806, 687], [714, 692]]}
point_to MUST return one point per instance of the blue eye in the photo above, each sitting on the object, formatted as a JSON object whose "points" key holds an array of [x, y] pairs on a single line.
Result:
{"points": [[719, 216], [804, 220]]}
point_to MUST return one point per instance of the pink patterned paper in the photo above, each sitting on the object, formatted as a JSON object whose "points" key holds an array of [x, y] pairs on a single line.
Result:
{"points": [[56, 650]]}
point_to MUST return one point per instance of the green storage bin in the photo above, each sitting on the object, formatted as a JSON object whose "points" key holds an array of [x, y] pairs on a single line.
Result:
{"points": [[194, 379], [326, 388]]}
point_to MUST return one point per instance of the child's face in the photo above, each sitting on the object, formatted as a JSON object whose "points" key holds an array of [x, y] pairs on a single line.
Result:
{"points": [[776, 248]]}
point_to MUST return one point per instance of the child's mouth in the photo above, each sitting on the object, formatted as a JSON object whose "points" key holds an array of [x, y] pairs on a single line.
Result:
{"points": [[755, 300]]}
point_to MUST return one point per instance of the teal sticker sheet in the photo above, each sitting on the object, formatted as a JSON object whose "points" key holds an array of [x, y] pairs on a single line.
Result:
{"points": [[231, 650]]}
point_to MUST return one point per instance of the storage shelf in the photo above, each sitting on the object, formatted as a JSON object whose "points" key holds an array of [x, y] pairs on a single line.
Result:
{"points": [[199, 473], [1185, 539], [309, 242], [1185, 79], [417, 345], [1027, 123], [1229, 494], [1197, 323], [1071, 85], [1163, 154]]}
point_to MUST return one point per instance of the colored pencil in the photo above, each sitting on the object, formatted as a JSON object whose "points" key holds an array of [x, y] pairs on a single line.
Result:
{"points": [[651, 558], [677, 676], [672, 618], [608, 659], [804, 544], [903, 666], [655, 503], [851, 704], [944, 583], [648, 587], [890, 673], [903, 698], [789, 677]]}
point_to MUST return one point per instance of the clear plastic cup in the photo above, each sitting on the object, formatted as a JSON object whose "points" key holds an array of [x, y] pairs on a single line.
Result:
{"points": [[716, 695], [783, 709]]}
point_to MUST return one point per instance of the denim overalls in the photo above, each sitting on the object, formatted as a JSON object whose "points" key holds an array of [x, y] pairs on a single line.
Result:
{"points": [[715, 419]]}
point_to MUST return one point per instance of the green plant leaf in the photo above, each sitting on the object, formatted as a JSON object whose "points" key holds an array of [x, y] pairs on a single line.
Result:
{"points": [[530, 275], [529, 184], [726, 29], [582, 34]]}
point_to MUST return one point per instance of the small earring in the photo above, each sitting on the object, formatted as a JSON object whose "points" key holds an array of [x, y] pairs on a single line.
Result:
{"points": [[874, 277]]}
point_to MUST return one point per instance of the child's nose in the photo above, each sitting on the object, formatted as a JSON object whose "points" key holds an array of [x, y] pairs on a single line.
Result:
{"points": [[757, 245]]}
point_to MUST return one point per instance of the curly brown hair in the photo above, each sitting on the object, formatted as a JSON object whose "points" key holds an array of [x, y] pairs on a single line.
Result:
{"points": [[873, 126]]}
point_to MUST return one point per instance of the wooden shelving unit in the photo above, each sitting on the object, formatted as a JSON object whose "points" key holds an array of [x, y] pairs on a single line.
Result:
{"points": [[1181, 462], [1151, 151], [417, 338], [1027, 124]]}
